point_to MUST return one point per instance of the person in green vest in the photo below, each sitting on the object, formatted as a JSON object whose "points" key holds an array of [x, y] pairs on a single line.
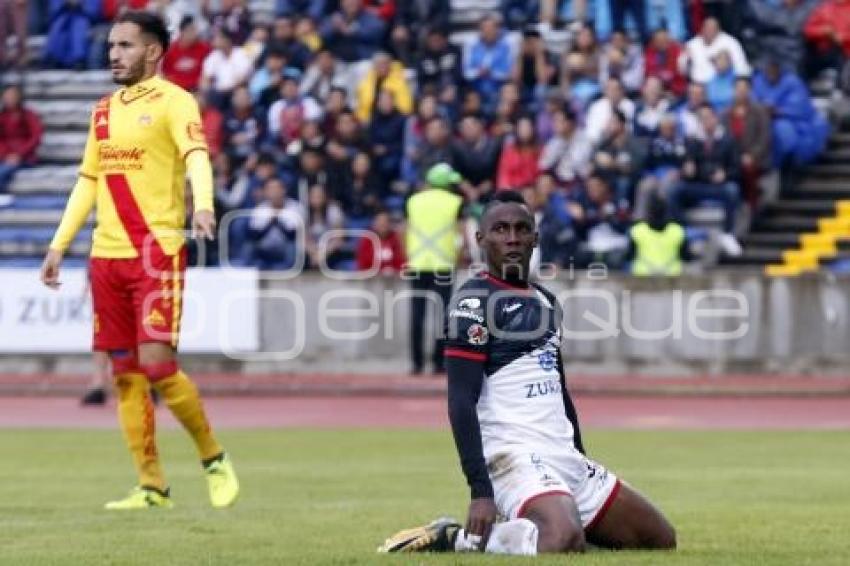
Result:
{"points": [[658, 245], [432, 237]]}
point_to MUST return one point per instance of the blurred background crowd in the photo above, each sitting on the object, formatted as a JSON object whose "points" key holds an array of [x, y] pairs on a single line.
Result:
{"points": [[616, 120]]}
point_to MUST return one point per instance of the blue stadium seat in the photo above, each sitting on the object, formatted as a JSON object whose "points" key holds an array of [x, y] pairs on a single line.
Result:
{"points": [[39, 202]]}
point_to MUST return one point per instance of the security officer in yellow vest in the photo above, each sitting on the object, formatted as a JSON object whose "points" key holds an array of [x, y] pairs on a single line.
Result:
{"points": [[658, 246], [432, 242]]}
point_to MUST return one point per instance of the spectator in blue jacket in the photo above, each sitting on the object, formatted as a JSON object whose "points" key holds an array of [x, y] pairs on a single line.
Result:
{"points": [[799, 131], [720, 90], [489, 61], [386, 135], [68, 32], [352, 33], [557, 233], [314, 9]]}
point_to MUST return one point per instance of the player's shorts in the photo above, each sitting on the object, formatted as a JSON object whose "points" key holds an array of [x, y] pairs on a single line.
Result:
{"points": [[519, 478], [137, 300]]}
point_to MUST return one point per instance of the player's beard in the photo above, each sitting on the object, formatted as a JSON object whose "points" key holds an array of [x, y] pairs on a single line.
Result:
{"points": [[135, 73]]}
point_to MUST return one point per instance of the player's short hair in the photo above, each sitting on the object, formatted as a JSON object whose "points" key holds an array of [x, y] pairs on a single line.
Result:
{"points": [[151, 24], [503, 197]]}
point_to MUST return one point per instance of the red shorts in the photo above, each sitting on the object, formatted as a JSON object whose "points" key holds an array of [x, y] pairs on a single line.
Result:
{"points": [[137, 300]]}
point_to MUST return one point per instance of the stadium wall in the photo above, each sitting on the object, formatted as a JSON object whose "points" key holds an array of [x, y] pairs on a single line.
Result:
{"points": [[245, 322]]}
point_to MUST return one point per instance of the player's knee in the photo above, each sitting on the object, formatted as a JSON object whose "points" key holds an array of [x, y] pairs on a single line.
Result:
{"points": [[560, 540], [664, 538]]}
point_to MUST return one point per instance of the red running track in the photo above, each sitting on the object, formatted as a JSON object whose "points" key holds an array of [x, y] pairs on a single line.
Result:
{"points": [[818, 413]]}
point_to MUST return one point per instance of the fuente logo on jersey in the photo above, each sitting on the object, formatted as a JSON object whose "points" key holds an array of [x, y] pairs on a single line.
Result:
{"points": [[120, 159]]}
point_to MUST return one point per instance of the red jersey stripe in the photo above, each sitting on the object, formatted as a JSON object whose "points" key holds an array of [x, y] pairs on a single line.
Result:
{"points": [[465, 354], [130, 214]]}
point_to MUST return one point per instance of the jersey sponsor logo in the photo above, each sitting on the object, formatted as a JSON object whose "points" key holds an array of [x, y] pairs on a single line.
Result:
{"points": [[195, 132], [478, 335], [466, 314], [154, 318], [542, 388], [511, 308], [547, 360], [118, 159]]}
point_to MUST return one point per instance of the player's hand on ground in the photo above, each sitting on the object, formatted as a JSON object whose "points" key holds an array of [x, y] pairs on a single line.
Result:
{"points": [[203, 224], [50, 269], [482, 515]]}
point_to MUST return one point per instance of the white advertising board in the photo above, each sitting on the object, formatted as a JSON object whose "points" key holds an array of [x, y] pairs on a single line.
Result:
{"points": [[36, 319]]}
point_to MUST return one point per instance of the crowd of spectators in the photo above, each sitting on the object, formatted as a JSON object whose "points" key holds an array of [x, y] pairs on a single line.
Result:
{"points": [[329, 116]]}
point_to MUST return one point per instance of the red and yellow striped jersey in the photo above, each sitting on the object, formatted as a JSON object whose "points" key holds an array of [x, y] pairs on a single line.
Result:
{"points": [[136, 149]]}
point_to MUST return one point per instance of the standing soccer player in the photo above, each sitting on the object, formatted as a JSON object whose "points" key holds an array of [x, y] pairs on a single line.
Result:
{"points": [[514, 423], [143, 140]]}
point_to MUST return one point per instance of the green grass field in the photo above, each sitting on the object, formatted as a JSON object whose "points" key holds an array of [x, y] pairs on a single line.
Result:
{"points": [[330, 497]]}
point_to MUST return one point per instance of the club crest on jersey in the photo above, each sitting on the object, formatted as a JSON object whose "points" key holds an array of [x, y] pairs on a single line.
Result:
{"points": [[195, 132], [470, 303], [145, 120], [478, 335], [546, 360]]}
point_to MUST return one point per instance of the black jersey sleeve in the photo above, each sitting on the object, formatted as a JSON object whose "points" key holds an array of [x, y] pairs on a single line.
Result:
{"points": [[467, 352], [465, 380]]}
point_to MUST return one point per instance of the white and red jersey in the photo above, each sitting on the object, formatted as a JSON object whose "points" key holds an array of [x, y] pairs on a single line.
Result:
{"points": [[516, 333]]}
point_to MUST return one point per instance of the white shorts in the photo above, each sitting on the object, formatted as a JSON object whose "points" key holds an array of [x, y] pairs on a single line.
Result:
{"points": [[519, 478]]}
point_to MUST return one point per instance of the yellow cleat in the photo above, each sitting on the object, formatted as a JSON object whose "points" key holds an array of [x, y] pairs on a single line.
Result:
{"points": [[222, 482], [141, 498], [436, 536]]}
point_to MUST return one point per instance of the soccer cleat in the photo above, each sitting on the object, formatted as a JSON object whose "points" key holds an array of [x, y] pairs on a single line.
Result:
{"points": [[141, 498], [437, 536], [94, 396], [222, 482]]}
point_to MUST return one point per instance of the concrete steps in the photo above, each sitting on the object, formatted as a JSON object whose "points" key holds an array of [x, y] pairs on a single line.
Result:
{"points": [[53, 179]]}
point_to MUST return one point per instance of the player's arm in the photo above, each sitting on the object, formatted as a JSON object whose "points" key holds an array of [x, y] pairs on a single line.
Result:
{"points": [[466, 354], [465, 378], [184, 120], [80, 204]]}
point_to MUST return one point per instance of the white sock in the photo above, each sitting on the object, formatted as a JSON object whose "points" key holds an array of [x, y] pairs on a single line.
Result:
{"points": [[517, 537]]}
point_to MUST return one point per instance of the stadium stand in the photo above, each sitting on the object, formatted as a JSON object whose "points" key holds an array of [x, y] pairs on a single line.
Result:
{"points": [[802, 221]]}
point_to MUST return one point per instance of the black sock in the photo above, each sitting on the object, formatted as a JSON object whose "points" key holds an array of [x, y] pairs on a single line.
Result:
{"points": [[218, 458]]}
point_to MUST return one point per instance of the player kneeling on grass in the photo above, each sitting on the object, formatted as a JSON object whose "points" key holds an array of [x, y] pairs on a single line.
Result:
{"points": [[143, 139], [514, 423]]}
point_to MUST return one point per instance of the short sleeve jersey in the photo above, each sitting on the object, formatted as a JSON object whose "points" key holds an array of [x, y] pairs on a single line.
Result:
{"points": [[138, 140], [516, 333]]}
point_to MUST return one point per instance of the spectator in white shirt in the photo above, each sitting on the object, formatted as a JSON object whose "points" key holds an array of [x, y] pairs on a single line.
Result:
{"points": [[287, 115], [696, 61], [567, 155], [227, 67], [600, 112]]}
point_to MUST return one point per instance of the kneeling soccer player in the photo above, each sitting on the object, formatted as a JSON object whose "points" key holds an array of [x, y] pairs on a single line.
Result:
{"points": [[515, 425], [142, 141]]}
